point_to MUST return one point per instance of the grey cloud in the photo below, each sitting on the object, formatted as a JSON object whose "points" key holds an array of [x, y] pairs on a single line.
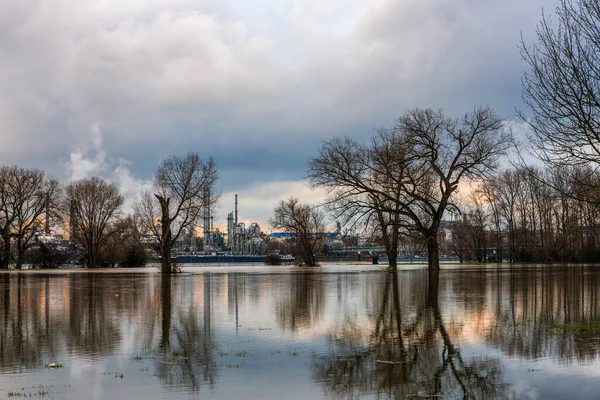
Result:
{"points": [[258, 86]]}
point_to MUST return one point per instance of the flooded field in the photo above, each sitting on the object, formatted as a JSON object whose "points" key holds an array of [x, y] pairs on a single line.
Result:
{"points": [[338, 331]]}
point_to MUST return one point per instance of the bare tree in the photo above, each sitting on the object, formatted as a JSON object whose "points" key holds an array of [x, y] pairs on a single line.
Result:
{"points": [[562, 87], [124, 245], [8, 178], [461, 232], [183, 188], [478, 220], [452, 150], [303, 220], [93, 205], [365, 184], [25, 196], [429, 154], [37, 198]]}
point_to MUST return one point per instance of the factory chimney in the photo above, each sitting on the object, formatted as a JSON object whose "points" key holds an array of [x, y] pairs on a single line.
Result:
{"points": [[236, 210]]}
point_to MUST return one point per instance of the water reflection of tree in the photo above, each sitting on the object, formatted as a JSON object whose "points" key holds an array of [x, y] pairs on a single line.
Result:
{"points": [[409, 351], [533, 310], [45, 313], [45, 316], [304, 304], [186, 353]]}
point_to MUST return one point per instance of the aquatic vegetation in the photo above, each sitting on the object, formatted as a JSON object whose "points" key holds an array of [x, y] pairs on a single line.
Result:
{"points": [[38, 392], [585, 329], [180, 353]]}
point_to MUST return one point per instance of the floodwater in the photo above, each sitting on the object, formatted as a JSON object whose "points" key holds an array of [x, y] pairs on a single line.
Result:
{"points": [[339, 331]]}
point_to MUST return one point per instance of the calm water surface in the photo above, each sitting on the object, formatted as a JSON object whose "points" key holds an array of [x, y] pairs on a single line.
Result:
{"points": [[335, 332]]}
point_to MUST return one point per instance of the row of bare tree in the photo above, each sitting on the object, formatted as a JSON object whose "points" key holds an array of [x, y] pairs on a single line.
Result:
{"points": [[92, 208], [532, 214]]}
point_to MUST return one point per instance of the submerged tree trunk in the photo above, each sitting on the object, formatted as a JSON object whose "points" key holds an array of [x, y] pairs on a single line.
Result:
{"points": [[433, 252], [433, 287], [307, 253], [166, 300], [392, 254], [166, 238]]}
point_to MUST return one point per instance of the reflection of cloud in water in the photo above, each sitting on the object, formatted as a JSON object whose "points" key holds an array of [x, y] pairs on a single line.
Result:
{"points": [[201, 330]]}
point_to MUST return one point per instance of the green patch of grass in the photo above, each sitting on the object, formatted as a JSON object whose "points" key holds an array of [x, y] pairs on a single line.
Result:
{"points": [[293, 353], [242, 354], [180, 353], [576, 329]]}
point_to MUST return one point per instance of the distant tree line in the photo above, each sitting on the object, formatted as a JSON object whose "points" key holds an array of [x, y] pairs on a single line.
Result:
{"points": [[531, 214]]}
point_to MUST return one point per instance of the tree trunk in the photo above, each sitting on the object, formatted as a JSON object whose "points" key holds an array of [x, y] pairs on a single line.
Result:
{"points": [[433, 287], [20, 254], [166, 265], [307, 252], [166, 301], [4, 262], [433, 252], [166, 239], [392, 253]]}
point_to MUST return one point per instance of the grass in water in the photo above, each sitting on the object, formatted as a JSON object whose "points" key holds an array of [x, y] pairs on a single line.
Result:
{"points": [[179, 353], [578, 329]]}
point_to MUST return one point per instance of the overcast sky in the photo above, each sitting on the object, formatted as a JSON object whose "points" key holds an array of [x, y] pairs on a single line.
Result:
{"points": [[109, 87]]}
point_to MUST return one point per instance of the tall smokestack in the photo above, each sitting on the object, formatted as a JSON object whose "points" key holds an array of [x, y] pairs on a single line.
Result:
{"points": [[236, 211]]}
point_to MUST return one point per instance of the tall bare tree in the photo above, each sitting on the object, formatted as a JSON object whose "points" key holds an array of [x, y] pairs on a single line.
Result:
{"points": [[415, 167], [305, 221], [453, 150], [8, 205], [25, 197], [183, 188], [365, 184], [37, 198], [93, 205], [561, 89]]}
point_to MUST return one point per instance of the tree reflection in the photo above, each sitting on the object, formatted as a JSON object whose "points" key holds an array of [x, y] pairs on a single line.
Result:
{"points": [[186, 356], [44, 316], [45, 313], [408, 352], [304, 305], [546, 312]]}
